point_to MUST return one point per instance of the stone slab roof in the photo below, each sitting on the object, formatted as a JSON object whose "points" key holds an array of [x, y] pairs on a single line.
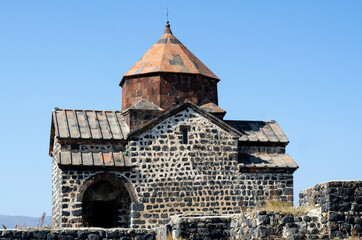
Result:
{"points": [[265, 160], [168, 54], [145, 105], [68, 124], [259, 131], [97, 159], [89, 124]]}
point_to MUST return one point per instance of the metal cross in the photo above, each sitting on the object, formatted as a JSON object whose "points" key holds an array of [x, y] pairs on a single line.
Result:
{"points": [[167, 14]]}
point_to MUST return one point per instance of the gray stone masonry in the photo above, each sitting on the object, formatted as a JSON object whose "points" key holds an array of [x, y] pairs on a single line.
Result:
{"points": [[79, 233], [170, 177], [319, 223], [341, 206], [341, 223]]}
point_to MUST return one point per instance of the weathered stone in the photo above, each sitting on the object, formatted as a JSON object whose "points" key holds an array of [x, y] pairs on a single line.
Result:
{"points": [[335, 216], [287, 219], [112, 234], [40, 234], [83, 234], [65, 237], [93, 237]]}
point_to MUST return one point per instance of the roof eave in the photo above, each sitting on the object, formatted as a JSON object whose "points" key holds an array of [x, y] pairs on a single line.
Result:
{"points": [[163, 72]]}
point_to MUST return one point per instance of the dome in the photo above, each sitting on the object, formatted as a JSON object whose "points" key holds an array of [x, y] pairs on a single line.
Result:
{"points": [[169, 55]]}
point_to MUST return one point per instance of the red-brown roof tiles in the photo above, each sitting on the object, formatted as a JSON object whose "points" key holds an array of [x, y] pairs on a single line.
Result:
{"points": [[168, 54]]}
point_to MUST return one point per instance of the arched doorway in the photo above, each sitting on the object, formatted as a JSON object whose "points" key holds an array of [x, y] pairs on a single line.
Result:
{"points": [[106, 205]]}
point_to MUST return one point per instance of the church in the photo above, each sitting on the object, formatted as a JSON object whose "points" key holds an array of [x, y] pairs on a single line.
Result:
{"points": [[168, 151]]}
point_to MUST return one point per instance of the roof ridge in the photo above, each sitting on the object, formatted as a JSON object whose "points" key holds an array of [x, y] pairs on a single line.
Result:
{"points": [[77, 109]]}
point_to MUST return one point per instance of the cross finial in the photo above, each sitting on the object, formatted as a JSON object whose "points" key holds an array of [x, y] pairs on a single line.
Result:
{"points": [[167, 30], [167, 14]]}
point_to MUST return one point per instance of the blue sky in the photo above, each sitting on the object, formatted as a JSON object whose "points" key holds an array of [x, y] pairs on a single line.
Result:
{"points": [[296, 62]]}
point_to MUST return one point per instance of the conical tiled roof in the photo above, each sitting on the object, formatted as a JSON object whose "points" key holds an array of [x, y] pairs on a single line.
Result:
{"points": [[168, 54]]}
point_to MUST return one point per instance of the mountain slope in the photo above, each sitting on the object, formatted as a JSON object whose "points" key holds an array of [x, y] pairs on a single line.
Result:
{"points": [[23, 221]]}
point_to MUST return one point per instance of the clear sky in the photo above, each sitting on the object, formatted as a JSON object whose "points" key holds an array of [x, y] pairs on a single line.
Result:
{"points": [[296, 62]]}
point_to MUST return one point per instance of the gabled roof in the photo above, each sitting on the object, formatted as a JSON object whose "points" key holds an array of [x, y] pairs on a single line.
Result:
{"points": [[145, 105], [87, 125], [178, 109], [168, 54], [212, 108], [259, 131]]}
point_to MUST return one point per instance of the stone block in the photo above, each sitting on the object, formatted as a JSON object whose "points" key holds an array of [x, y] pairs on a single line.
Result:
{"points": [[93, 237]]}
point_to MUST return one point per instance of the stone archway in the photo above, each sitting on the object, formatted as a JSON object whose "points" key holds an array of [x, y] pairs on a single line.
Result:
{"points": [[106, 204]]}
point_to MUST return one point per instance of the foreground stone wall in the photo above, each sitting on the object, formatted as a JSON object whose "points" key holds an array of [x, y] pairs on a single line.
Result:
{"points": [[79, 233], [275, 225], [257, 225], [340, 203], [336, 215], [197, 227]]}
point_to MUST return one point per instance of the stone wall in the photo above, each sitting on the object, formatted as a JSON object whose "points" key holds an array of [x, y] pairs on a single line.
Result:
{"points": [[80, 233], [170, 177], [201, 176], [336, 215], [256, 225], [340, 203], [56, 191], [75, 183], [197, 227], [276, 225]]}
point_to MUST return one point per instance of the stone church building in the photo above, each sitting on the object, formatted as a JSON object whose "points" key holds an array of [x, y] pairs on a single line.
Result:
{"points": [[168, 151]]}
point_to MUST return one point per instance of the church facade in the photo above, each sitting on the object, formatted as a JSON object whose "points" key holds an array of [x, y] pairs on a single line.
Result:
{"points": [[168, 151]]}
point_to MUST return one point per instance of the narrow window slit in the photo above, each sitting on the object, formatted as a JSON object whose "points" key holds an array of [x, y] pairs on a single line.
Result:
{"points": [[184, 129], [184, 136]]}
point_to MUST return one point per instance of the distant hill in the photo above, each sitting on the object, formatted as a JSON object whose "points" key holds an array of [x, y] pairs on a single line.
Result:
{"points": [[22, 221]]}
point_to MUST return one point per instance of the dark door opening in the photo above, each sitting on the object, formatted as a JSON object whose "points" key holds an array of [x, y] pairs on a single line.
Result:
{"points": [[106, 205], [104, 214]]}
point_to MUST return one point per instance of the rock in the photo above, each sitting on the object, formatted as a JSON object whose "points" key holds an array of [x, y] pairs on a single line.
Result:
{"points": [[112, 234], [288, 219], [357, 227], [77, 213], [82, 234], [93, 237], [65, 237], [296, 236], [307, 219], [27, 234], [40, 234], [314, 231], [7, 233], [264, 219], [345, 227], [335, 216], [344, 207], [51, 236], [138, 207], [338, 234]]}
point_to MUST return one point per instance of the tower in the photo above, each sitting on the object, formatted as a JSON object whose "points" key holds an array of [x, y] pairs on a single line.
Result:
{"points": [[168, 74]]}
